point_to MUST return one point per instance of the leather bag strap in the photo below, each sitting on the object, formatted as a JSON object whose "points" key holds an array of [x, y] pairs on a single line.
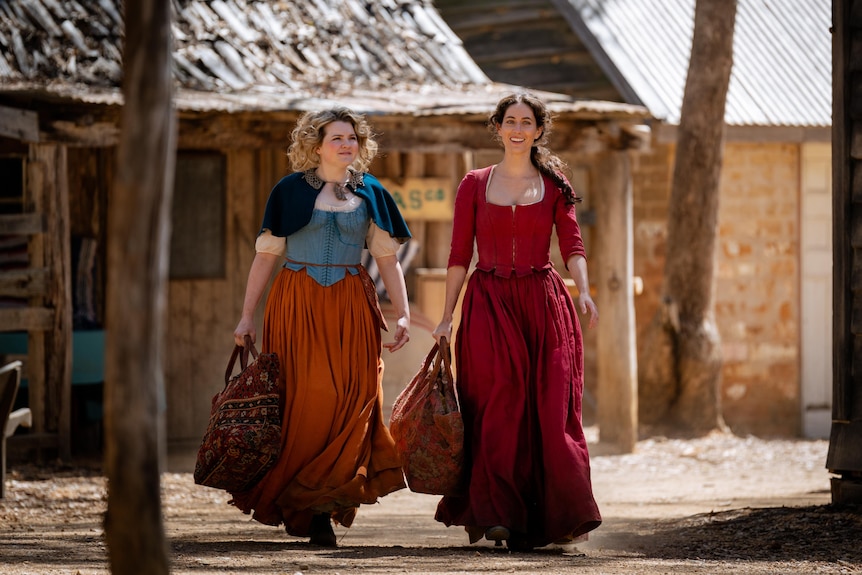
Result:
{"points": [[241, 352]]}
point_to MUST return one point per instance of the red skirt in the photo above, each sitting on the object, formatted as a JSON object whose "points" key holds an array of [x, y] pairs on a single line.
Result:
{"points": [[336, 450], [519, 358]]}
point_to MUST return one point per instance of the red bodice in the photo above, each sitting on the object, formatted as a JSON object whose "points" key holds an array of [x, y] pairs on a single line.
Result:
{"points": [[511, 240]]}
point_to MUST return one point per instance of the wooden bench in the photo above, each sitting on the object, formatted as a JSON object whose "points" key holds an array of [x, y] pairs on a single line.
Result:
{"points": [[10, 379]]}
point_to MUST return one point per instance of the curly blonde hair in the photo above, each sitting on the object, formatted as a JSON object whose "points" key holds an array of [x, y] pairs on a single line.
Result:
{"points": [[308, 135]]}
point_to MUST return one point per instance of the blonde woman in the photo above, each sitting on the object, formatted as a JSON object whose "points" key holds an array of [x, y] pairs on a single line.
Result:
{"points": [[323, 321]]}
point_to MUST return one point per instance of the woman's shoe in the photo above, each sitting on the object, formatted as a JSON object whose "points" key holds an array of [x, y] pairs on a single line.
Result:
{"points": [[321, 531], [497, 534], [519, 542]]}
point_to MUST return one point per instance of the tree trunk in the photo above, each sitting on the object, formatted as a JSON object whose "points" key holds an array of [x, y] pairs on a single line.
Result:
{"points": [[139, 230], [681, 359]]}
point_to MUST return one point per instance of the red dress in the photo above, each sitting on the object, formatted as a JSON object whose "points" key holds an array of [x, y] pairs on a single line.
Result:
{"points": [[519, 359]]}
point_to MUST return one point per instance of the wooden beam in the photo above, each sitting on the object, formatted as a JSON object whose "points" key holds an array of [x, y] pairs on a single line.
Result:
{"points": [[26, 319], [846, 490], [35, 181], [844, 453], [96, 134], [439, 134], [53, 201], [22, 224], [19, 124], [23, 283], [617, 411], [440, 137]]}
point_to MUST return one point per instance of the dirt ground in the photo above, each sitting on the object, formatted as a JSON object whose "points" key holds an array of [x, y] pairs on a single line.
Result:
{"points": [[717, 505]]}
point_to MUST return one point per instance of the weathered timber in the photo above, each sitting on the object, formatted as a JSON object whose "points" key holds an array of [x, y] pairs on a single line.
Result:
{"points": [[844, 457], [614, 270], [99, 134], [51, 198], [54, 203], [19, 124], [24, 283], [26, 319], [22, 224], [462, 136]]}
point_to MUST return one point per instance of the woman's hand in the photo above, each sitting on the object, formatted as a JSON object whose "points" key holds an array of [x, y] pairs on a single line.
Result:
{"points": [[586, 304], [402, 335], [443, 330], [244, 328]]}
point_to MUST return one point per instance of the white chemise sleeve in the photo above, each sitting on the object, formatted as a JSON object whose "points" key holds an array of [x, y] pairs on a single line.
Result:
{"points": [[380, 243], [270, 244]]}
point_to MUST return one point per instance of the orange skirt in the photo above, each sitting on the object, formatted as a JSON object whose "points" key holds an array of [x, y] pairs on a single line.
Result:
{"points": [[336, 450]]}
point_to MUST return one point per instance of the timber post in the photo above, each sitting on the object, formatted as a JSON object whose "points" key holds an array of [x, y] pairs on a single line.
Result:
{"points": [[53, 202], [613, 266], [844, 458]]}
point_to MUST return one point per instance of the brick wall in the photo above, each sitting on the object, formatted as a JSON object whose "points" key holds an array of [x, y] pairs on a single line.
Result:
{"points": [[757, 279]]}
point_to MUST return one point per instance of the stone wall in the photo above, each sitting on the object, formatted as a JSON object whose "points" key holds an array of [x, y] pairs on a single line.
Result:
{"points": [[757, 276]]}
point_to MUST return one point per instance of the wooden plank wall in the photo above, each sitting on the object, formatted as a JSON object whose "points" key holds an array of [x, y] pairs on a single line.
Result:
{"points": [[845, 457], [46, 283], [203, 313]]}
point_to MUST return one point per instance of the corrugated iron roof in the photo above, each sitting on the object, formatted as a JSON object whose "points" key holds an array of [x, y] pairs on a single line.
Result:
{"points": [[378, 56], [782, 71]]}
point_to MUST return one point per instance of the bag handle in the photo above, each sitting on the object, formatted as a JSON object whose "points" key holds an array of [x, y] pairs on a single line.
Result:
{"points": [[445, 361], [444, 358], [242, 352], [445, 352], [428, 362]]}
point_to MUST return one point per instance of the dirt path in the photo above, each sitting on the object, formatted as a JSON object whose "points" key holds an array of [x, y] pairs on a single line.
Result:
{"points": [[717, 505]]}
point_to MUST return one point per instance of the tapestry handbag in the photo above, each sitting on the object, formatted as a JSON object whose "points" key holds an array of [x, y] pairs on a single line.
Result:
{"points": [[428, 430], [243, 439]]}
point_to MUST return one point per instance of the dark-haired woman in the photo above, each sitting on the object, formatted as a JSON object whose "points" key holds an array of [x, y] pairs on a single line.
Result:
{"points": [[519, 350], [323, 321]]}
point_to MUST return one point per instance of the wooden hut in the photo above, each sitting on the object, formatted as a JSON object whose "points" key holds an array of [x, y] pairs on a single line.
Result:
{"points": [[244, 72]]}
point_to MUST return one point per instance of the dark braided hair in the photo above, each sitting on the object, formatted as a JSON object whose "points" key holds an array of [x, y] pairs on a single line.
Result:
{"points": [[548, 163]]}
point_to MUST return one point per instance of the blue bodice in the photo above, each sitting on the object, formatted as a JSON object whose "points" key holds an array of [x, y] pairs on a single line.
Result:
{"points": [[330, 245]]}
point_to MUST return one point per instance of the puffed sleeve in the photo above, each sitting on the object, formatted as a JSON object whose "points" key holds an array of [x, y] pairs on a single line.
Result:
{"points": [[568, 230], [380, 243], [464, 222], [269, 244]]}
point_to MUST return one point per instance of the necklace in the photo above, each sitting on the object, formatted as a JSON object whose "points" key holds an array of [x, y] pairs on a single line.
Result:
{"points": [[340, 188], [353, 181]]}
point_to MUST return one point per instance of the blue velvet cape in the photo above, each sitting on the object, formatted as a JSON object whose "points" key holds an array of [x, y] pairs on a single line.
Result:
{"points": [[291, 204]]}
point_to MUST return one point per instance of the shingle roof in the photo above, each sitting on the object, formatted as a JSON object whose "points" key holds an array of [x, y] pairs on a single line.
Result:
{"points": [[782, 72], [236, 44], [376, 55]]}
